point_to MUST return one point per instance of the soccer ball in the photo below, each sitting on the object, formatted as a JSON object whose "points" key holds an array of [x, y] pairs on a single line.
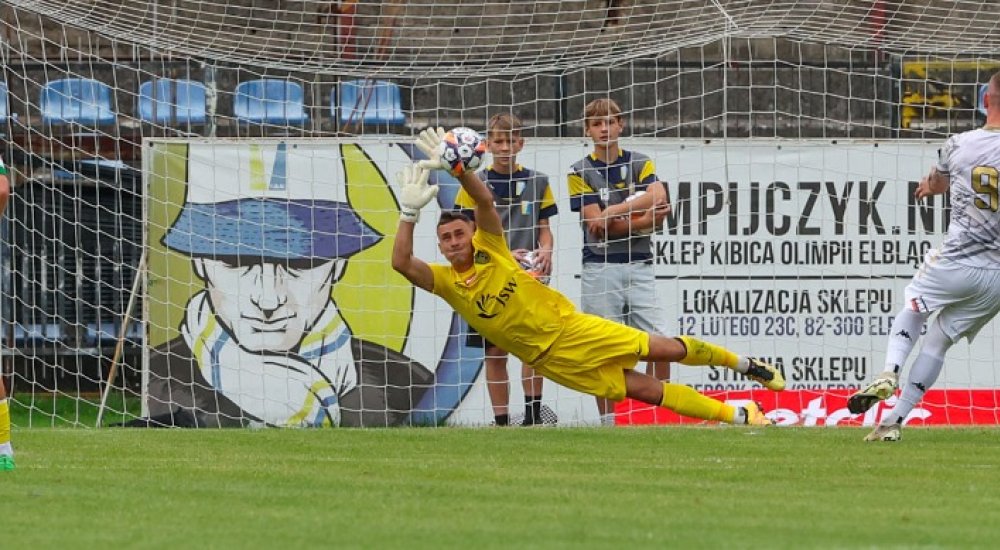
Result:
{"points": [[529, 264], [462, 149]]}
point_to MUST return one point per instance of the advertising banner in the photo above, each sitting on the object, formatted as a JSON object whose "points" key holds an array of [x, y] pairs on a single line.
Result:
{"points": [[797, 252]]}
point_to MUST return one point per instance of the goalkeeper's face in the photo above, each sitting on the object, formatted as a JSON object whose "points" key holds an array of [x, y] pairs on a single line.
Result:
{"points": [[268, 306], [455, 242]]}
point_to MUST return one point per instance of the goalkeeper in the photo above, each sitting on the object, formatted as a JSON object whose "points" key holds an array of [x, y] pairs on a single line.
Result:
{"points": [[541, 326]]}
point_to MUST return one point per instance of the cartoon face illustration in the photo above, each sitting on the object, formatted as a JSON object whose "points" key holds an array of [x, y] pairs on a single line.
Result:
{"points": [[268, 255], [272, 300], [268, 305]]}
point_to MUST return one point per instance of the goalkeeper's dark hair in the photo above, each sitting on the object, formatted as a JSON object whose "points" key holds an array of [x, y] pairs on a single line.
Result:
{"points": [[504, 122], [449, 216]]}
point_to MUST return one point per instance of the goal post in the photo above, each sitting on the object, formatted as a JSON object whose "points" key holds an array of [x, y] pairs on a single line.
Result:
{"points": [[244, 143]]}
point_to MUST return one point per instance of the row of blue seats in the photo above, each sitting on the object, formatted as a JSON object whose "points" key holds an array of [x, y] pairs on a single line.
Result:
{"points": [[182, 102]]}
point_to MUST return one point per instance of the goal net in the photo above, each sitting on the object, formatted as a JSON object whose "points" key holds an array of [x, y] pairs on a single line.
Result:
{"points": [[203, 198]]}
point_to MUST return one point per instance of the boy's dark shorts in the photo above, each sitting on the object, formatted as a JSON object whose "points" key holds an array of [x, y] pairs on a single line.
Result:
{"points": [[475, 340]]}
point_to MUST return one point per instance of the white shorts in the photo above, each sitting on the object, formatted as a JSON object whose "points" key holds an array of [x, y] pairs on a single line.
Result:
{"points": [[623, 292], [966, 298]]}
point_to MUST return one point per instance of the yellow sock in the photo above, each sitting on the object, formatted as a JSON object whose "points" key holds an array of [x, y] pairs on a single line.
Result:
{"points": [[701, 353], [685, 400], [4, 422]]}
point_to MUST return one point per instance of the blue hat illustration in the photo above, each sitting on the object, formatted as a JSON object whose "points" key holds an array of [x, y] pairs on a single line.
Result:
{"points": [[234, 208]]}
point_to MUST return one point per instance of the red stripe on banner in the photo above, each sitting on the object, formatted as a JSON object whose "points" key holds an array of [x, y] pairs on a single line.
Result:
{"points": [[829, 408]]}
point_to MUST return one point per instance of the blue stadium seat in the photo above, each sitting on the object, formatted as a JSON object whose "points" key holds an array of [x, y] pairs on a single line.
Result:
{"points": [[4, 109], [172, 101], [368, 102], [270, 101], [76, 100]]}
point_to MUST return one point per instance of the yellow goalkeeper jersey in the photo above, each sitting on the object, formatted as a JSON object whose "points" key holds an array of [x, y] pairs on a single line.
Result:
{"points": [[502, 301]]}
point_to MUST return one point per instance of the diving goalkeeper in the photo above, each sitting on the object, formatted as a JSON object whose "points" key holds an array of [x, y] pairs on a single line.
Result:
{"points": [[539, 325]]}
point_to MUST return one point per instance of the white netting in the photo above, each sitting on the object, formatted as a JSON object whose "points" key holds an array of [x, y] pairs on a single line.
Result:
{"points": [[410, 38], [696, 78]]}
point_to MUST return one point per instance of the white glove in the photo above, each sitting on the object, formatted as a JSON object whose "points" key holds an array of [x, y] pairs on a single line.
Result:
{"points": [[429, 141], [414, 192]]}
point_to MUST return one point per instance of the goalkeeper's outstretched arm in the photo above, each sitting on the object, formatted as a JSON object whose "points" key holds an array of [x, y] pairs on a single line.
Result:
{"points": [[487, 217], [415, 194], [414, 269]]}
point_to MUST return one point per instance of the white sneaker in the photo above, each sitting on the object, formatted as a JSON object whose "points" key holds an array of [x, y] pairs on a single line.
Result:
{"points": [[892, 432]]}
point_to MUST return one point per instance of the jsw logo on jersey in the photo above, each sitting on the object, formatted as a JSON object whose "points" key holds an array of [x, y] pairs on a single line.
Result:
{"points": [[490, 305]]}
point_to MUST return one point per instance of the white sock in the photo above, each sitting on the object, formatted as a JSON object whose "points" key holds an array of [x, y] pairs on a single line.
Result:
{"points": [[903, 335], [925, 371], [6, 449], [742, 364], [915, 388], [608, 419]]}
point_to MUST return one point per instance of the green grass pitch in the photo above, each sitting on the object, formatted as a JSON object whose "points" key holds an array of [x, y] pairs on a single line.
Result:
{"points": [[677, 487]]}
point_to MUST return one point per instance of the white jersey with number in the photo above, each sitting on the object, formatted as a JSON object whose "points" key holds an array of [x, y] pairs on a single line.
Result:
{"points": [[972, 162]]}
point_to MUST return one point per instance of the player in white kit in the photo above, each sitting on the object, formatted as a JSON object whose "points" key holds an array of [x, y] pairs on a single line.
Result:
{"points": [[960, 280]]}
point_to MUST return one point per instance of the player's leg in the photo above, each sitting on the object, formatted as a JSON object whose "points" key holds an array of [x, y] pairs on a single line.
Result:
{"points": [[495, 363], [691, 351], [645, 313], [925, 371], [6, 450], [976, 301], [903, 335], [602, 293], [598, 357], [936, 285], [686, 401], [531, 382], [659, 370], [497, 384], [606, 409]]}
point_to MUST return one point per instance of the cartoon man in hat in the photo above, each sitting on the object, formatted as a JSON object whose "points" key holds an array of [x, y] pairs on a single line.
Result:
{"points": [[264, 343]]}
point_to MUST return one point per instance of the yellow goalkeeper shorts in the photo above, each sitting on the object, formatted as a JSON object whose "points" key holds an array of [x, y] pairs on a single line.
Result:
{"points": [[591, 355]]}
